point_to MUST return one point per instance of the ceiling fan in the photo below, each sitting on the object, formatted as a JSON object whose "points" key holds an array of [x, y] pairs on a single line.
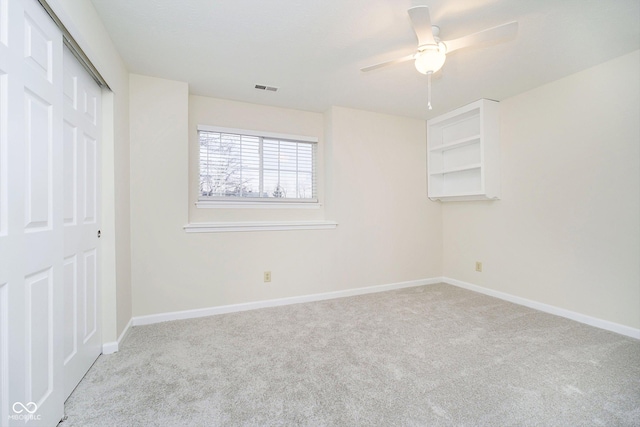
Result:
{"points": [[432, 52]]}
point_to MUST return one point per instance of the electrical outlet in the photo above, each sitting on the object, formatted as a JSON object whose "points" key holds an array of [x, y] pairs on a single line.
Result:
{"points": [[478, 266], [267, 276]]}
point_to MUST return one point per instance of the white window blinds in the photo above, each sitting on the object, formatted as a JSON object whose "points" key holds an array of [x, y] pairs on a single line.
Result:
{"points": [[241, 166]]}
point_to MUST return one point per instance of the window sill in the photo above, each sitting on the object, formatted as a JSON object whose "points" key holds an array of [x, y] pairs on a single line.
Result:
{"points": [[222, 227], [225, 204]]}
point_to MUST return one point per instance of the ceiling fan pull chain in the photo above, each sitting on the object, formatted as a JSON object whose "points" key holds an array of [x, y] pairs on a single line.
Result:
{"points": [[429, 91]]}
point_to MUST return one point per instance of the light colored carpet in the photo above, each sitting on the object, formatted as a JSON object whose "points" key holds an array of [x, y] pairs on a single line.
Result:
{"points": [[433, 355]]}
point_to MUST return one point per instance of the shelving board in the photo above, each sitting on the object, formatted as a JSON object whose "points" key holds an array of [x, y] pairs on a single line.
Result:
{"points": [[463, 153], [458, 169], [456, 144]]}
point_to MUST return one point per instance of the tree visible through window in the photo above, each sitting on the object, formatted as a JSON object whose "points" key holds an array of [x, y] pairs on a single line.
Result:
{"points": [[247, 166]]}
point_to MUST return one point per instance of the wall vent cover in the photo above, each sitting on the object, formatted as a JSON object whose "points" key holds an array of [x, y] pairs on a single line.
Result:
{"points": [[265, 87]]}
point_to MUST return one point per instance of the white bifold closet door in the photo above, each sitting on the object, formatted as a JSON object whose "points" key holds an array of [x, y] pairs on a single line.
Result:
{"points": [[49, 218], [81, 214]]}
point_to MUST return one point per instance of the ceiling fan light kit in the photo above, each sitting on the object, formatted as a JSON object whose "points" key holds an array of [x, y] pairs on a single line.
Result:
{"points": [[431, 58], [432, 52]]}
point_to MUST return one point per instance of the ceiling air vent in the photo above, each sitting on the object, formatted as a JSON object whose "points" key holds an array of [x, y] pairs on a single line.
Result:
{"points": [[264, 87]]}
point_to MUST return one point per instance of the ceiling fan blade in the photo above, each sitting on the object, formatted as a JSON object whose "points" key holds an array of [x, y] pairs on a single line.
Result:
{"points": [[421, 21], [384, 64], [490, 34]]}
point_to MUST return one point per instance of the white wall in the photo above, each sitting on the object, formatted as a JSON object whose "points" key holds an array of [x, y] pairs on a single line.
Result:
{"points": [[159, 190], [388, 231], [567, 230], [83, 22]]}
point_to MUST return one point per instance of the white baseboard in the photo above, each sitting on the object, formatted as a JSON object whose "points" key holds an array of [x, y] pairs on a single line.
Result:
{"points": [[578, 317], [112, 347], [210, 311]]}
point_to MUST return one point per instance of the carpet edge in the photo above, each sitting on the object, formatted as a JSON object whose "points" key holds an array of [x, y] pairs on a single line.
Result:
{"points": [[572, 315]]}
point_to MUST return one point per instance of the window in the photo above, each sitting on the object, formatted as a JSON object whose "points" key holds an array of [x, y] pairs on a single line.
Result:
{"points": [[249, 166]]}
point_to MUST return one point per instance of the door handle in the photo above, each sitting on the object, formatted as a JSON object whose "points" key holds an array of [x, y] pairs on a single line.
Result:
{"points": [[99, 234]]}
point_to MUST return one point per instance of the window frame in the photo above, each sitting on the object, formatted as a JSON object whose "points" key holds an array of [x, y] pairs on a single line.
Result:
{"points": [[235, 202]]}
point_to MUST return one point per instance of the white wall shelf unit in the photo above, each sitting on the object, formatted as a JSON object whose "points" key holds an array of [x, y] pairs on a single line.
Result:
{"points": [[463, 153]]}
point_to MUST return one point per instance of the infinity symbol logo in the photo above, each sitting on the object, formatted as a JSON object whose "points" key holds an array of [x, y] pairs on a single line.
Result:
{"points": [[30, 407]]}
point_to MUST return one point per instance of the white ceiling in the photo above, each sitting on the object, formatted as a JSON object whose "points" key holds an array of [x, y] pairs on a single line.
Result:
{"points": [[312, 50]]}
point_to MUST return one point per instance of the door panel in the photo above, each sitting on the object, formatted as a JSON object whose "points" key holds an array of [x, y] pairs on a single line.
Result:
{"points": [[9, 67], [38, 197], [70, 307], [4, 362], [91, 294], [40, 336], [90, 181], [82, 101], [4, 276], [38, 138], [38, 45], [41, 233], [69, 142]]}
